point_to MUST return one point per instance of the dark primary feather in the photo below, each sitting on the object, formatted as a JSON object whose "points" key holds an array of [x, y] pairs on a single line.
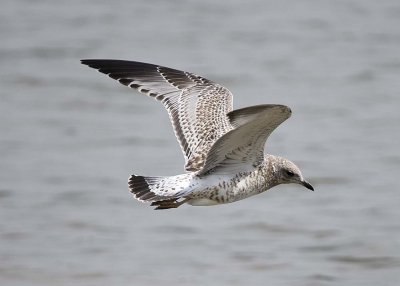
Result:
{"points": [[197, 107]]}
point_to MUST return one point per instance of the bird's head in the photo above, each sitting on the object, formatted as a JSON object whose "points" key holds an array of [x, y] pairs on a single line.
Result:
{"points": [[286, 172]]}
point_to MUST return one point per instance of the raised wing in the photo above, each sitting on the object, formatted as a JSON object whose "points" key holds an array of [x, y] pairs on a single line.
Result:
{"points": [[243, 147], [197, 107]]}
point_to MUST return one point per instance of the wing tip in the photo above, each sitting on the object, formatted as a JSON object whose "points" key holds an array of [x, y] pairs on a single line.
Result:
{"points": [[92, 63], [86, 61], [101, 63], [240, 116], [286, 109], [283, 108]]}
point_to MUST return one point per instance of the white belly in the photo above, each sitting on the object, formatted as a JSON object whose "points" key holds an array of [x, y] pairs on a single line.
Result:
{"points": [[202, 202], [215, 190]]}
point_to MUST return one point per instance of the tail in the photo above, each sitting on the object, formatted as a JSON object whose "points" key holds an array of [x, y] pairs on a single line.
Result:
{"points": [[160, 191]]}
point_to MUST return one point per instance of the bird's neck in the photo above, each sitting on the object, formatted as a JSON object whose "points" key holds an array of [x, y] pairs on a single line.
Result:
{"points": [[270, 170]]}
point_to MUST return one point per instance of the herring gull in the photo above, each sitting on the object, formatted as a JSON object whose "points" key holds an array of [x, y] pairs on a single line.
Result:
{"points": [[223, 148]]}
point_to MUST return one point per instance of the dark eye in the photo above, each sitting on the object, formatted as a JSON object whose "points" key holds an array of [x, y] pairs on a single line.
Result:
{"points": [[289, 173]]}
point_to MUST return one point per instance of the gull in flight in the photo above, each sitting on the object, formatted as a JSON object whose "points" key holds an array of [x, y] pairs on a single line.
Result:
{"points": [[223, 148]]}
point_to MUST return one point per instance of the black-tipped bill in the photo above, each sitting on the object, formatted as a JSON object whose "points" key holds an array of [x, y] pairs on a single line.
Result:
{"points": [[307, 185]]}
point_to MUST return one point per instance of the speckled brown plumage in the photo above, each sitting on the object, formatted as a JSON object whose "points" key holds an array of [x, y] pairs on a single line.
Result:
{"points": [[223, 149]]}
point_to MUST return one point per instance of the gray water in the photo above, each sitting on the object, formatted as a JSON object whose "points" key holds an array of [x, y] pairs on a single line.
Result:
{"points": [[70, 138]]}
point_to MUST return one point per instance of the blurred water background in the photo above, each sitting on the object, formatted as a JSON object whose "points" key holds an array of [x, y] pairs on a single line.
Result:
{"points": [[70, 137]]}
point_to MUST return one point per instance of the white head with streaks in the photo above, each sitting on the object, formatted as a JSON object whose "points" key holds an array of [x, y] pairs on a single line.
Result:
{"points": [[286, 172]]}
